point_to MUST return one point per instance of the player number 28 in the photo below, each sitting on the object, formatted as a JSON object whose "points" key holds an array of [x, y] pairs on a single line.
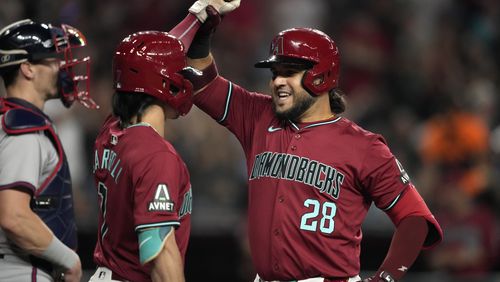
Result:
{"points": [[309, 220]]}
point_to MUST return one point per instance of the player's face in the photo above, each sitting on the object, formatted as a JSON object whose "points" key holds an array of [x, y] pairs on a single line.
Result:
{"points": [[45, 80], [290, 99]]}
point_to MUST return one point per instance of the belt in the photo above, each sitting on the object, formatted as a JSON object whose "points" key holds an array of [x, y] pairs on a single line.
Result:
{"points": [[36, 262], [41, 264], [316, 279], [33, 260]]}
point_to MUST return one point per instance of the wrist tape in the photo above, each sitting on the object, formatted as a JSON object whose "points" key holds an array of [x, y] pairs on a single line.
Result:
{"points": [[60, 254]]}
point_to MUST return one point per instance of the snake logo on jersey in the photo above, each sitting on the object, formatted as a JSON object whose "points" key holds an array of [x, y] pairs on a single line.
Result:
{"points": [[162, 200], [323, 177]]}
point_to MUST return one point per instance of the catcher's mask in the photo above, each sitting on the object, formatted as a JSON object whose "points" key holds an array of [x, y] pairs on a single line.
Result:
{"points": [[27, 40]]}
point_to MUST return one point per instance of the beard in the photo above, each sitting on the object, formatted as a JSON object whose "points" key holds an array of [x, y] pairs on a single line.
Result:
{"points": [[300, 106]]}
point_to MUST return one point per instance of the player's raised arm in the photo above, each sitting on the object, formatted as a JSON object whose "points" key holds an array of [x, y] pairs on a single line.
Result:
{"points": [[195, 32], [199, 55]]}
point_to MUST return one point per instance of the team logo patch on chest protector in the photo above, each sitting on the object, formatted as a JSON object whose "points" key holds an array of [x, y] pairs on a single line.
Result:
{"points": [[161, 201]]}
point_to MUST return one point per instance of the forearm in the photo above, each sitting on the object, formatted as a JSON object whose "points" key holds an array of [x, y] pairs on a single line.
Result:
{"points": [[186, 30], [168, 265], [27, 231], [30, 233], [405, 247], [21, 225], [201, 63], [208, 73]]}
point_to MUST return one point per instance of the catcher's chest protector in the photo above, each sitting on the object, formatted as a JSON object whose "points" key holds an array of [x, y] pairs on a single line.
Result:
{"points": [[53, 201]]}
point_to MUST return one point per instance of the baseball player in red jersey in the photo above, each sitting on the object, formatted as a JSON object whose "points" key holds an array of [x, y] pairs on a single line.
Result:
{"points": [[142, 183], [312, 174]]}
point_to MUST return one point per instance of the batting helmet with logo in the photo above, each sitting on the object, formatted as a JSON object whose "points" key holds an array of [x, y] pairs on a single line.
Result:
{"points": [[310, 48], [28, 41], [152, 62]]}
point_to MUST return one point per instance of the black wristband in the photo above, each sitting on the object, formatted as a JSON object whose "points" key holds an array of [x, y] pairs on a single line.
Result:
{"points": [[200, 47]]}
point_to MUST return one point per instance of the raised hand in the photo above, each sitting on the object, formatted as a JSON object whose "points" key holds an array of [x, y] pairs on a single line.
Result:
{"points": [[222, 7]]}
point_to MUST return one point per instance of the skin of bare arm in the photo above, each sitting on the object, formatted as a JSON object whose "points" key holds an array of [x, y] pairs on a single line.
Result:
{"points": [[23, 227], [168, 265]]}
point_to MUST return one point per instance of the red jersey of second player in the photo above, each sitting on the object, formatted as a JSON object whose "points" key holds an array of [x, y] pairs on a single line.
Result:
{"points": [[142, 183], [311, 185]]}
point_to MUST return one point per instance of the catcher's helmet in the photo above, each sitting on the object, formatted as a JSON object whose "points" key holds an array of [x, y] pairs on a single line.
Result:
{"points": [[152, 62], [310, 48], [26, 40]]}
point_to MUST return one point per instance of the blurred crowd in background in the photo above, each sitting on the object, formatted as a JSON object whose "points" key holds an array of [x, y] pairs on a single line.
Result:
{"points": [[423, 73]]}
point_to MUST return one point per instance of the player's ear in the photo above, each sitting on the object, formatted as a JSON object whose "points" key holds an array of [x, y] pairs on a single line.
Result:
{"points": [[27, 70]]}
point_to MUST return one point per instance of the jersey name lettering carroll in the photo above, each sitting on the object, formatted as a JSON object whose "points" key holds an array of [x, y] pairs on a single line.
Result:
{"points": [[323, 177], [109, 162]]}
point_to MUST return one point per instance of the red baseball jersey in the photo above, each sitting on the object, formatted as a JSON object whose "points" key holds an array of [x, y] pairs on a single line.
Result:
{"points": [[310, 184], [141, 183]]}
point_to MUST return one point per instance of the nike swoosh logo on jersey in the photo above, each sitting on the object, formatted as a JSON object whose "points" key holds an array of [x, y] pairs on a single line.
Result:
{"points": [[273, 129]]}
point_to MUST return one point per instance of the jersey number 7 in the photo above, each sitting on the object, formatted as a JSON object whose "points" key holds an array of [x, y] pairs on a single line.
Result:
{"points": [[102, 192]]}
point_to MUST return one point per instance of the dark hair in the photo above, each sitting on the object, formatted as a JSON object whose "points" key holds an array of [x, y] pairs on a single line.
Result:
{"points": [[9, 75], [129, 104], [337, 102]]}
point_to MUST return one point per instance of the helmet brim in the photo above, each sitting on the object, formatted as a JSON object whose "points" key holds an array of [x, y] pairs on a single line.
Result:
{"points": [[284, 60]]}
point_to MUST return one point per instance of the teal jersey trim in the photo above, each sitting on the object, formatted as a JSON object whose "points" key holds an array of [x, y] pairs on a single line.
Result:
{"points": [[392, 204], [228, 100], [151, 242]]}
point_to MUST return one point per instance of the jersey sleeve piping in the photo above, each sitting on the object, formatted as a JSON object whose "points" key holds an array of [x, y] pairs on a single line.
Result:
{"points": [[157, 224], [228, 100], [21, 186], [393, 202]]}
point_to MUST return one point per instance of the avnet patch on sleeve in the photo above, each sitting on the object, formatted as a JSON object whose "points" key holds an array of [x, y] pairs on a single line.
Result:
{"points": [[161, 201]]}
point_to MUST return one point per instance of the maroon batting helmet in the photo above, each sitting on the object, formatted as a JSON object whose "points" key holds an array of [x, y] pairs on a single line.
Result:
{"points": [[151, 62], [310, 48]]}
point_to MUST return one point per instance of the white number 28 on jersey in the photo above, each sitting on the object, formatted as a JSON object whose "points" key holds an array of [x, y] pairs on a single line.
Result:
{"points": [[310, 219]]}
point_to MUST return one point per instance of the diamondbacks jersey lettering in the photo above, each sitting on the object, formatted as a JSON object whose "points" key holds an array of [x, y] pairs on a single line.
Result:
{"points": [[142, 183], [306, 202], [291, 167]]}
